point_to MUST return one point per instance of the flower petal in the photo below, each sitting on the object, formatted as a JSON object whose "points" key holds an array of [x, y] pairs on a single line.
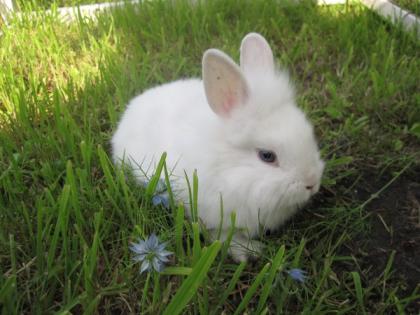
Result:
{"points": [[161, 247], [161, 186], [138, 248], [145, 266], [163, 254], [139, 257], [158, 200], [165, 203], [162, 259], [144, 183], [297, 274], [158, 265], [152, 242]]}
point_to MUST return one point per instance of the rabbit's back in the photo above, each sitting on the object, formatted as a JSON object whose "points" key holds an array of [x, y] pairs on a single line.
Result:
{"points": [[162, 119]]}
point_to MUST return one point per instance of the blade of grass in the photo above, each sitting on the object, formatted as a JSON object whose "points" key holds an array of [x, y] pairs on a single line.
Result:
{"points": [[191, 284], [177, 271], [169, 187], [231, 286], [179, 225], [151, 187], [252, 289], [228, 241], [106, 168], [265, 292], [196, 242], [59, 227], [387, 272], [359, 290]]}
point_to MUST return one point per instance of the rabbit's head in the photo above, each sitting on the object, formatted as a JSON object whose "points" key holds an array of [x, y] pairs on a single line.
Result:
{"points": [[266, 148]]}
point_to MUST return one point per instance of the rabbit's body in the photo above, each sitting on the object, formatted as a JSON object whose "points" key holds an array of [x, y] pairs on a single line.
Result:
{"points": [[228, 127]]}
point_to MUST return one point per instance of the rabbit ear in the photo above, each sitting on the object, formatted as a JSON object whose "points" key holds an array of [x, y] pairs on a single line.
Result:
{"points": [[256, 54], [224, 83]]}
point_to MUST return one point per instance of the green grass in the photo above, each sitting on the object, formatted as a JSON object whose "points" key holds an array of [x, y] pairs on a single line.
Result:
{"points": [[59, 3], [410, 5], [67, 216]]}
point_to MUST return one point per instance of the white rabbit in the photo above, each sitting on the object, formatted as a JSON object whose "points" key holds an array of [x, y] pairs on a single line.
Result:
{"points": [[240, 129]]}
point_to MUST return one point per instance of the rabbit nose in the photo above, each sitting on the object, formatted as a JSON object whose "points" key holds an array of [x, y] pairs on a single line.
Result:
{"points": [[311, 183]]}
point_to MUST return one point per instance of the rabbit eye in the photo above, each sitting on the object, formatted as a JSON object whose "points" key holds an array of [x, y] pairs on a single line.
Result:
{"points": [[267, 156]]}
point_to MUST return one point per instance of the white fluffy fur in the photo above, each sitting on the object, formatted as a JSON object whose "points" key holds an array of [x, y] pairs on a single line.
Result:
{"points": [[176, 118]]}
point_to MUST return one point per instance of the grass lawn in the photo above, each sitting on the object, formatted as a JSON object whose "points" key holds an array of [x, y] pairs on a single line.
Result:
{"points": [[59, 3], [67, 216]]}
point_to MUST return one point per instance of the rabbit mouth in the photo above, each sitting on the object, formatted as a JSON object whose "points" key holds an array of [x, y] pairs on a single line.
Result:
{"points": [[295, 196]]}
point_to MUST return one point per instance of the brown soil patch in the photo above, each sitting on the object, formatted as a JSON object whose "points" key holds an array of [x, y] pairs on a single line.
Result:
{"points": [[395, 226]]}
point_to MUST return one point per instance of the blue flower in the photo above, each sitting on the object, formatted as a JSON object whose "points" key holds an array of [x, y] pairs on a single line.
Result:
{"points": [[161, 196], [150, 253], [161, 186], [161, 200], [297, 274]]}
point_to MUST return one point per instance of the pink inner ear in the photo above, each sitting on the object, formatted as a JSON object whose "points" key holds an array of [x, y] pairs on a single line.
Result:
{"points": [[229, 103]]}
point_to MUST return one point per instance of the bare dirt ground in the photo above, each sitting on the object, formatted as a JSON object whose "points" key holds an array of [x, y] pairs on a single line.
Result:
{"points": [[395, 226]]}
